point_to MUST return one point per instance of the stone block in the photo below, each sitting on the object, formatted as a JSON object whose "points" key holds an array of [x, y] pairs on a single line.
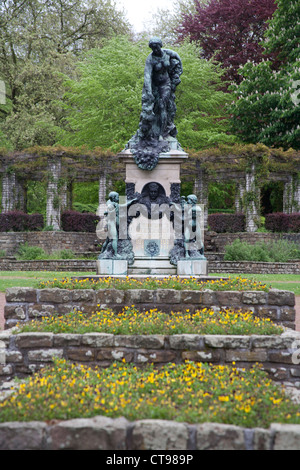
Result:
{"points": [[285, 436], [21, 294], [155, 356], [139, 296], [44, 355], [99, 433], [34, 340], [40, 310], [186, 341], [268, 312], [229, 298], [107, 297], [22, 436], [168, 296], [209, 298], [16, 312], [254, 298], [278, 297], [140, 341], [86, 295], [214, 436], [192, 267], [227, 342], [80, 354], [97, 340], [237, 355], [62, 340], [112, 267], [159, 434], [191, 297], [55, 296]]}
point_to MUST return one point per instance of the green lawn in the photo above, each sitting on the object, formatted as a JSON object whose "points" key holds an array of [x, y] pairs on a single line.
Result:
{"points": [[289, 282]]}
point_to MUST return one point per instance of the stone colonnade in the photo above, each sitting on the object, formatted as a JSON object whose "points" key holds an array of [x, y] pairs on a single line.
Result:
{"points": [[14, 194], [248, 192], [247, 189]]}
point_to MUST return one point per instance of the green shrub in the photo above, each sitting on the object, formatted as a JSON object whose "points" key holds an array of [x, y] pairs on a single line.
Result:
{"points": [[276, 251], [26, 252]]}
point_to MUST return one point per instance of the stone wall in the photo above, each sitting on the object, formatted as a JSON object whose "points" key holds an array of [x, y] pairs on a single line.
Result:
{"points": [[83, 242], [25, 353], [119, 434], [49, 241], [25, 303]]}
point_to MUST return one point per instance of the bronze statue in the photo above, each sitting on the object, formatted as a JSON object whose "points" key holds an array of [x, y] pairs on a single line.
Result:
{"points": [[162, 72]]}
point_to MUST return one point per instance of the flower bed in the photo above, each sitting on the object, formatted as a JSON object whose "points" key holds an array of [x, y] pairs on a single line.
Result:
{"points": [[191, 392]]}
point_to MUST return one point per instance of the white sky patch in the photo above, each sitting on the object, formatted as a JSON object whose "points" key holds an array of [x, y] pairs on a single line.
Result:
{"points": [[140, 11]]}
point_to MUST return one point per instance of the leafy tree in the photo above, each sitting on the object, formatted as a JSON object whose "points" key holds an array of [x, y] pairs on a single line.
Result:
{"points": [[104, 104], [39, 39], [267, 102], [228, 30]]}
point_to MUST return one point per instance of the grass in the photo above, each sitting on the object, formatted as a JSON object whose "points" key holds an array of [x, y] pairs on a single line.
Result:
{"points": [[133, 322], [191, 392]]}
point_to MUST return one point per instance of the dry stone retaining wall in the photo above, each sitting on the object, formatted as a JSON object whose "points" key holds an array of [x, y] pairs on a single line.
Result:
{"points": [[103, 433], [25, 353], [25, 303]]}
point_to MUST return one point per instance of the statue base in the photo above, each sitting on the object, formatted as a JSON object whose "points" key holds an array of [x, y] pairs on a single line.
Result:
{"points": [[192, 267], [112, 267]]}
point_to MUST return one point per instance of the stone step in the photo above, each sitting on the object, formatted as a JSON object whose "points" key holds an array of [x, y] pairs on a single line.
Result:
{"points": [[152, 271]]}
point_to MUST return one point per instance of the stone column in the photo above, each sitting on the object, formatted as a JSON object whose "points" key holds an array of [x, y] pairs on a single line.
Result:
{"points": [[201, 190], [13, 193], [291, 195], [56, 193], [251, 200]]}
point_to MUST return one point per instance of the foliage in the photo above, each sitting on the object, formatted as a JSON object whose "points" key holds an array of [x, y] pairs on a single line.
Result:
{"points": [[17, 221], [38, 41], [27, 252], [190, 392], [219, 284], [230, 223], [104, 104], [230, 31], [267, 108], [73, 221], [276, 251], [280, 222]]}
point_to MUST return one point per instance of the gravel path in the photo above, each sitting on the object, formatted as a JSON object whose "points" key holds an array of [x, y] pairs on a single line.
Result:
{"points": [[2, 303]]}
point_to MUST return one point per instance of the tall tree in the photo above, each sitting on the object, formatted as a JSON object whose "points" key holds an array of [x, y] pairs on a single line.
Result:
{"points": [[267, 106], [104, 104], [39, 38], [228, 30]]}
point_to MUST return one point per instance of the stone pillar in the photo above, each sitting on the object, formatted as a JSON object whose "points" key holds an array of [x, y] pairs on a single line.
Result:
{"points": [[201, 190], [56, 193], [13, 193], [251, 200], [291, 195], [239, 194]]}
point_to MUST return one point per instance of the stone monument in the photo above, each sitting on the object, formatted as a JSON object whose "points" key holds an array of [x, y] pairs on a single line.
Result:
{"points": [[155, 230]]}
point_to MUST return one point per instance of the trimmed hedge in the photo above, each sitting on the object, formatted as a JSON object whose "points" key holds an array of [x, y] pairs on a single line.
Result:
{"points": [[232, 223], [73, 221], [280, 222], [17, 221]]}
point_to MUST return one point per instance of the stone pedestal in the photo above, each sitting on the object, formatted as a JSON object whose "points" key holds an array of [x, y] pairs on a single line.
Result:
{"points": [[192, 267], [152, 239], [112, 267]]}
